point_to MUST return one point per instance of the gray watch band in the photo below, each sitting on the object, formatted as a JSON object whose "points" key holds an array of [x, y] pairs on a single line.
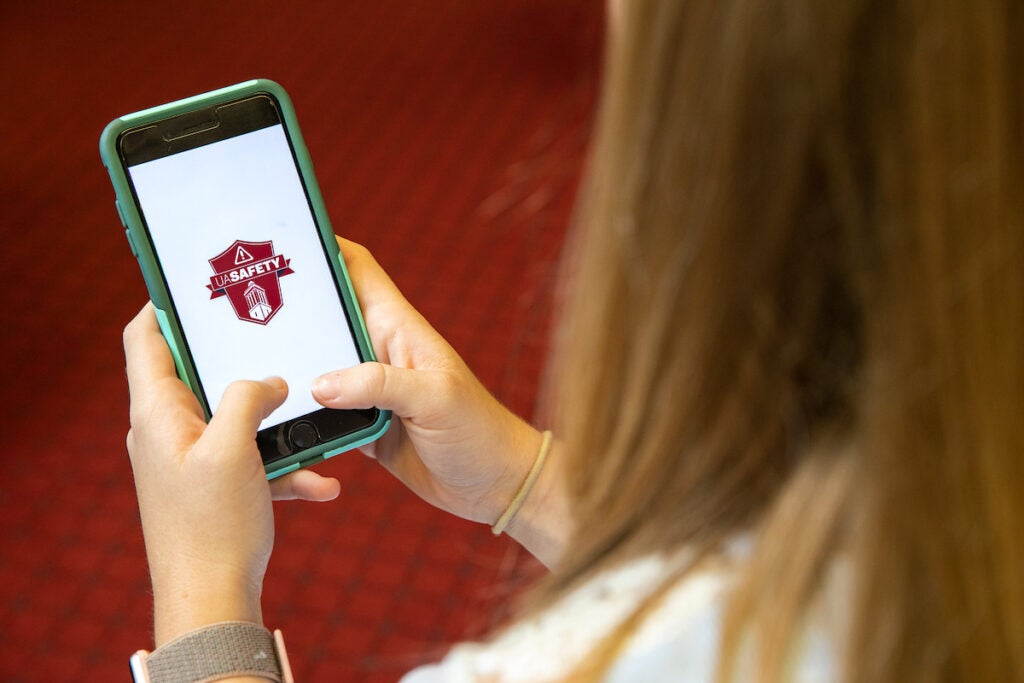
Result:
{"points": [[229, 648]]}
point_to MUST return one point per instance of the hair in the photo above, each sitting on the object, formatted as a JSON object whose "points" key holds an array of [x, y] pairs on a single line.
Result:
{"points": [[796, 312]]}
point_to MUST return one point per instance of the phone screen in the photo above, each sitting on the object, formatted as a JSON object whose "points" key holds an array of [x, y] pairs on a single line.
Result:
{"points": [[248, 276]]}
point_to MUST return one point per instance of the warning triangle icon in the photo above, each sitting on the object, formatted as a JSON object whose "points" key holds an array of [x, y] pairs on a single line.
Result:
{"points": [[242, 256]]}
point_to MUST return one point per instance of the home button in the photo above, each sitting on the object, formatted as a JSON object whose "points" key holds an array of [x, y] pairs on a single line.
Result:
{"points": [[303, 434]]}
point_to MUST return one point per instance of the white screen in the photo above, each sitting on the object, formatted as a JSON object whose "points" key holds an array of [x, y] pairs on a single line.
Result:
{"points": [[197, 203]]}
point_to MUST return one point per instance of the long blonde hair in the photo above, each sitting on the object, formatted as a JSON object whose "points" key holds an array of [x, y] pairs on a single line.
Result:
{"points": [[797, 312]]}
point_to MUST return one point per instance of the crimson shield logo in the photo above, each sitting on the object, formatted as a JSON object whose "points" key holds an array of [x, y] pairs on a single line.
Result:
{"points": [[249, 273]]}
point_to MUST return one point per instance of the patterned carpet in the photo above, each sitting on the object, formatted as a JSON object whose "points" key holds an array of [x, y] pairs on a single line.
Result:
{"points": [[447, 137]]}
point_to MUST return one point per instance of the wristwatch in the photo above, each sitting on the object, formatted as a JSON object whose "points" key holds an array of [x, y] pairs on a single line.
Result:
{"points": [[215, 652]]}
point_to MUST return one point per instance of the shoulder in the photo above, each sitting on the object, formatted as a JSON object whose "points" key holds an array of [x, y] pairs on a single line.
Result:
{"points": [[677, 641]]}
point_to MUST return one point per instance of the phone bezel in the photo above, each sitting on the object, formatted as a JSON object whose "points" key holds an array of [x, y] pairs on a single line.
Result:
{"points": [[339, 430]]}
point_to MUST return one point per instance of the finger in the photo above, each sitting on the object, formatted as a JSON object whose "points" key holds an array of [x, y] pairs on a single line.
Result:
{"points": [[372, 284], [147, 357], [385, 310], [375, 385], [153, 382], [305, 485], [245, 404]]}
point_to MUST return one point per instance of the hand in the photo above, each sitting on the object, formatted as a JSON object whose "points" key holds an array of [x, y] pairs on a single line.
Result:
{"points": [[204, 499], [452, 443]]}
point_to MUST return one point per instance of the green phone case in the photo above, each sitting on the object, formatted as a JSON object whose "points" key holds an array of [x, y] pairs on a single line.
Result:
{"points": [[140, 245]]}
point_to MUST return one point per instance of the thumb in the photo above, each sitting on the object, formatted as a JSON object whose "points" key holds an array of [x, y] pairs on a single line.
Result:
{"points": [[243, 407], [376, 385]]}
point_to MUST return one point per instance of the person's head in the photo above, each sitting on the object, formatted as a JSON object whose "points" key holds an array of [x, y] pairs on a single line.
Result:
{"points": [[797, 313]]}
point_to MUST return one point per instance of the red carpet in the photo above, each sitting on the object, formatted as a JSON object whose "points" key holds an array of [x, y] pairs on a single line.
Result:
{"points": [[447, 137]]}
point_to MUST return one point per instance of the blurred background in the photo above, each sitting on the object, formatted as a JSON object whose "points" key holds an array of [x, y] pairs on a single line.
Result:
{"points": [[447, 136]]}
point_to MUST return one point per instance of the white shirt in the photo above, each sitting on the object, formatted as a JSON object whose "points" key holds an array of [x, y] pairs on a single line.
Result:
{"points": [[677, 642]]}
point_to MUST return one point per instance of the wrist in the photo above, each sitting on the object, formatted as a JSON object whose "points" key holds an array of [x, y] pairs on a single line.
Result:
{"points": [[542, 523], [184, 602], [225, 651], [518, 444]]}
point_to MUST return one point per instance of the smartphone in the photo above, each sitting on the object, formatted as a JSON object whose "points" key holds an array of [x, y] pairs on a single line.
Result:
{"points": [[221, 208]]}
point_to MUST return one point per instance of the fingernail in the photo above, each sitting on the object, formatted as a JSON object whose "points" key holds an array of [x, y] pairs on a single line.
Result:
{"points": [[323, 387], [276, 382]]}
